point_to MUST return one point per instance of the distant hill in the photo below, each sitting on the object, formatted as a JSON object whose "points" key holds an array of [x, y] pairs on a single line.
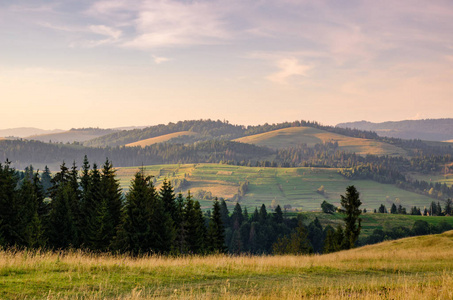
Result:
{"points": [[428, 129], [161, 139], [22, 132], [294, 136], [209, 129], [73, 135]]}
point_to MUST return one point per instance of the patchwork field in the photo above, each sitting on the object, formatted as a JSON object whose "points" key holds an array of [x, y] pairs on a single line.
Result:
{"points": [[160, 139], [285, 186], [412, 268], [293, 136]]}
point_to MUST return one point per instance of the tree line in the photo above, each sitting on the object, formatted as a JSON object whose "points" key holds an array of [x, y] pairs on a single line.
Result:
{"points": [[211, 129], [86, 209]]}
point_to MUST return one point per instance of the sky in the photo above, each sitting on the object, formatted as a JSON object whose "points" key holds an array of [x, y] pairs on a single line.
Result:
{"points": [[112, 63]]}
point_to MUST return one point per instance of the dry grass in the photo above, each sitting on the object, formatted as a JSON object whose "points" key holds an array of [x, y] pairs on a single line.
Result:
{"points": [[294, 136], [413, 268], [160, 139]]}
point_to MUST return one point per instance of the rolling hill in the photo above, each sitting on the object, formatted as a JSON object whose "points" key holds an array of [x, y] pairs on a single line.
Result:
{"points": [[429, 129], [23, 132], [294, 136], [73, 135], [161, 139], [286, 186]]}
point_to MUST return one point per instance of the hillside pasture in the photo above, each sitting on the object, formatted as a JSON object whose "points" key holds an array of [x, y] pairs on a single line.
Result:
{"points": [[160, 139], [411, 268], [284, 186], [294, 136]]}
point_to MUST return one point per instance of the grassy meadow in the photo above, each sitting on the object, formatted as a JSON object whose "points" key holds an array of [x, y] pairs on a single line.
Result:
{"points": [[285, 186], [412, 268], [294, 136]]}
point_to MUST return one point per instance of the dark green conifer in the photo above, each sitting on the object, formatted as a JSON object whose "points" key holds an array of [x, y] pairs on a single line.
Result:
{"points": [[278, 215], [109, 212], [351, 203], [167, 196], [62, 232], [216, 238]]}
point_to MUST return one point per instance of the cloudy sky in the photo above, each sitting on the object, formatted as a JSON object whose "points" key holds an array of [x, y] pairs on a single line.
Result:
{"points": [[117, 63]]}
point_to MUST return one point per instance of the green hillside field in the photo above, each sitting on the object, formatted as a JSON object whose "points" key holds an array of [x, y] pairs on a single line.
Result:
{"points": [[293, 136], [284, 186], [411, 268]]}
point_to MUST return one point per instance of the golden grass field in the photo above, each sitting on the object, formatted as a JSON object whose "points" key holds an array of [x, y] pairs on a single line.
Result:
{"points": [[294, 136], [160, 139], [412, 268]]}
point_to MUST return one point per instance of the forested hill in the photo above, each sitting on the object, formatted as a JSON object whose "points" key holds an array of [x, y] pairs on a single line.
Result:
{"points": [[209, 129], [429, 129], [72, 135], [23, 153]]}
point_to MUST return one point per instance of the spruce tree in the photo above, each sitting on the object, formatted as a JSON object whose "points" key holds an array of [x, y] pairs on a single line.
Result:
{"points": [[167, 196], [30, 199], [135, 231], [91, 210], [62, 231], [237, 217], [109, 212], [180, 225], [351, 203], [278, 215], [393, 209], [46, 179], [448, 207], [216, 237], [224, 213], [146, 227], [9, 213]]}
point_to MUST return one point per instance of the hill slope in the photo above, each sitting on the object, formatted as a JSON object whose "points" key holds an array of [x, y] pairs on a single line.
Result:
{"points": [[410, 268], [285, 186], [294, 136], [429, 129], [73, 135], [22, 132], [161, 139]]}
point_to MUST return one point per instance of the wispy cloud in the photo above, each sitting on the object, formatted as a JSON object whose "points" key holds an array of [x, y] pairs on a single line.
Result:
{"points": [[166, 23], [172, 23], [111, 34], [159, 59], [289, 68]]}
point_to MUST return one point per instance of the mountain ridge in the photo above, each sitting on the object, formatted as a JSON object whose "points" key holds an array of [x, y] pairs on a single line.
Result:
{"points": [[423, 129]]}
